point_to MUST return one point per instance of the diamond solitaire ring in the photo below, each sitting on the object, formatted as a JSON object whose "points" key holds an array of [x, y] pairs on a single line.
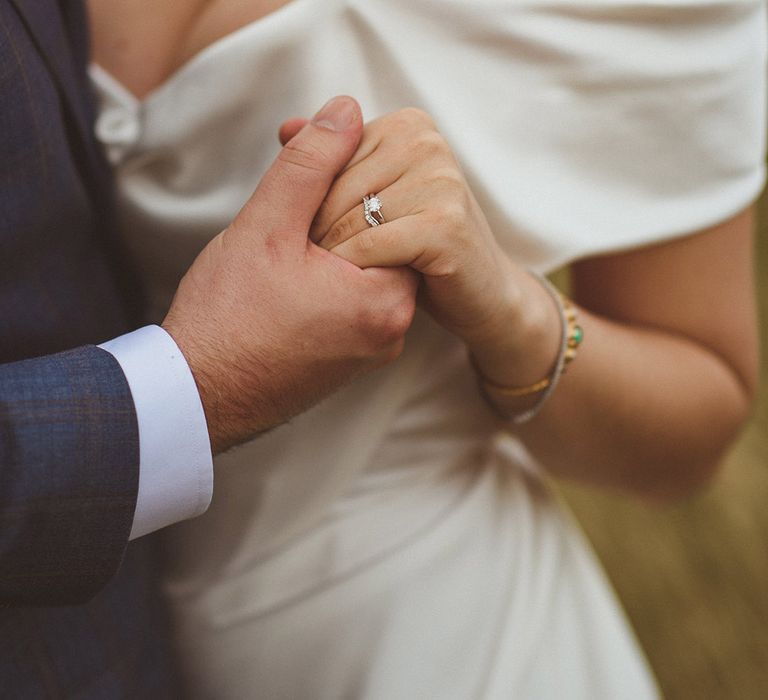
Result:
{"points": [[373, 214]]}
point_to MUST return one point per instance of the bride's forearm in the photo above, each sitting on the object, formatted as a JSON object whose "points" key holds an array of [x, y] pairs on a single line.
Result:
{"points": [[667, 371], [640, 410]]}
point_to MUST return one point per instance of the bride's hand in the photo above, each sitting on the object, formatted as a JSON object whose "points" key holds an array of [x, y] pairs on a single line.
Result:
{"points": [[434, 224]]}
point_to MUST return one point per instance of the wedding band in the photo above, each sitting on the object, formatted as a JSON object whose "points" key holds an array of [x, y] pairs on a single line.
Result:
{"points": [[372, 205]]}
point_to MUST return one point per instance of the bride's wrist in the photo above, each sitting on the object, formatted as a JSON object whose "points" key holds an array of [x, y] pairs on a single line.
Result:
{"points": [[519, 345]]}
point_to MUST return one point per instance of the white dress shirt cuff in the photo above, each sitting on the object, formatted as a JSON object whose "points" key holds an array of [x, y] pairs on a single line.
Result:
{"points": [[176, 466]]}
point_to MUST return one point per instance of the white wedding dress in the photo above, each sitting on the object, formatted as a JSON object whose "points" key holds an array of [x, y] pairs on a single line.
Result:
{"points": [[388, 544]]}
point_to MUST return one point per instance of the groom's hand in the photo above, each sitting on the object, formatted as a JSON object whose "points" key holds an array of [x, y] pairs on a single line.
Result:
{"points": [[269, 322]]}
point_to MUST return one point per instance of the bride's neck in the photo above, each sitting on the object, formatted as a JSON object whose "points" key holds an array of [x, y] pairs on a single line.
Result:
{"points": [[143, 43]]}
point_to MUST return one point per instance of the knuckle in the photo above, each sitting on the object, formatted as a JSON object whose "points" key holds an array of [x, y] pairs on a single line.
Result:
{"points": [[389, 331], [393, 352], [415, 115], [448, 264], [427, 144], [398, 318], [447, 269], [450, 181], [384, 326], [407, 120], [453, 216], [367, 323], [384, 316], [402, 317], [298, 154]]}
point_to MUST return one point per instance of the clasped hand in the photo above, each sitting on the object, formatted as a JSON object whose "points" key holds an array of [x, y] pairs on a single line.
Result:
{"points": [[433, 223], [298, 295], [269, 322]]}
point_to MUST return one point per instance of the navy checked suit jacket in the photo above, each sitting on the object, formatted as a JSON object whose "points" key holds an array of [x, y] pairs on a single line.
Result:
{"points": [[69, 450]]}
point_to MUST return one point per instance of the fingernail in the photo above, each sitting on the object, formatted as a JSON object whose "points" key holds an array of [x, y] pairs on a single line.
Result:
{"points": [[337, 114]]}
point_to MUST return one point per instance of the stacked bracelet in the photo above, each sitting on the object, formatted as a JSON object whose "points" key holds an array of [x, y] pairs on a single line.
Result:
{"points": [[570, 339]]}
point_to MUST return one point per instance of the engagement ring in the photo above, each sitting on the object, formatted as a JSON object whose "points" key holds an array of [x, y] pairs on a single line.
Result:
{"points": [[373, 214]]}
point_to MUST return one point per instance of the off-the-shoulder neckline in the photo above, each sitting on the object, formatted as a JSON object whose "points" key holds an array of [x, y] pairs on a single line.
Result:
{"points": [[107, 80]]}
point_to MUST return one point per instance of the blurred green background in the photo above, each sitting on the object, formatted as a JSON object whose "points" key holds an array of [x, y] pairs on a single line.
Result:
{"points": [[693, 577]]}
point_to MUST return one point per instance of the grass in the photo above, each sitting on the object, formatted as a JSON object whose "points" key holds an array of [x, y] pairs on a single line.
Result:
{"points": [[694, 577]]}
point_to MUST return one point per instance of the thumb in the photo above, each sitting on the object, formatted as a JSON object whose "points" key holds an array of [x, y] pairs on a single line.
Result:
{"points": [[292, 190]]}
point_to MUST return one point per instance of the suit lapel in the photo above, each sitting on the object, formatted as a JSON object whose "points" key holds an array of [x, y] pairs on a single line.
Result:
{"points": [[44, 22]]}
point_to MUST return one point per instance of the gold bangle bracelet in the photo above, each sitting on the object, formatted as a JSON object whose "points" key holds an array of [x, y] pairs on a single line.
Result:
{"points": [[571, 337], [517, 391]]}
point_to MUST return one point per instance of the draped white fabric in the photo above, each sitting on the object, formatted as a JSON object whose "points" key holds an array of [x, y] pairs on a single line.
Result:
{"points": [[387, 544]]}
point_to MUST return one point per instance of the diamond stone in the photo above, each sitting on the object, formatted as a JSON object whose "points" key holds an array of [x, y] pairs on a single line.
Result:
{"points": [[373, 204]]}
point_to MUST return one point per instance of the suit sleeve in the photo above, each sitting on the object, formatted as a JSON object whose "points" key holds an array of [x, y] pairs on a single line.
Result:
{"points": [[69, 472]]}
